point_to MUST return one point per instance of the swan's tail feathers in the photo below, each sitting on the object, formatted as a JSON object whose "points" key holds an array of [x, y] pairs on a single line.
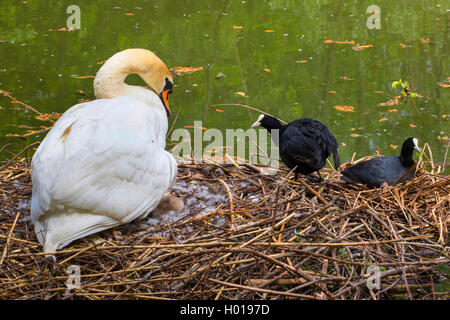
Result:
{"points": [[57, 231]]}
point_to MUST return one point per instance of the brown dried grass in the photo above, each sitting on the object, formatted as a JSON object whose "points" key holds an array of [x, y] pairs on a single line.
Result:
{"points": [[307, 240]]}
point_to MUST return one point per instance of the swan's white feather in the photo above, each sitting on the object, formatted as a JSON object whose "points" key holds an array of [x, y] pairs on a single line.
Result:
{"points": [[101, 165]]}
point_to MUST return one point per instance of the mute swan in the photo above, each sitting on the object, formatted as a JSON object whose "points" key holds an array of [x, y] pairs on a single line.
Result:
{"points": [[378, 171], [305, 143], [103, 163]]}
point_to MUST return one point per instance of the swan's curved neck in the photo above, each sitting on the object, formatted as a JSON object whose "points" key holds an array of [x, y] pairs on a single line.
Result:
{"points": [[110, 79], [110, 82]]}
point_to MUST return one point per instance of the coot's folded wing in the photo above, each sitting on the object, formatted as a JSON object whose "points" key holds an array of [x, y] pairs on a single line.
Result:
{"points": [[301, 149]]}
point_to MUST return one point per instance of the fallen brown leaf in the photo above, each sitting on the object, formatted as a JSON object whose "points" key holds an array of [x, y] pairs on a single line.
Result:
{"points": [[344, 108], [391, 102], [192, 127], [83, 77], [362, 47], [182, 70]]}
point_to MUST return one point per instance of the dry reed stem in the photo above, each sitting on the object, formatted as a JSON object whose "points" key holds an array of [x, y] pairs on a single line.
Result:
{"points": [[288, 244]]}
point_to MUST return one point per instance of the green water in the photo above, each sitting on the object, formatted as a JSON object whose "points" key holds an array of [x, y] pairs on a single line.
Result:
{"points": [[37, 65], [304, 76]]}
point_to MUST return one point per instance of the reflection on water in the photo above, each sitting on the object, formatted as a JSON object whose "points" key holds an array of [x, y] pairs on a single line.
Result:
{"points": [[272, 55]]}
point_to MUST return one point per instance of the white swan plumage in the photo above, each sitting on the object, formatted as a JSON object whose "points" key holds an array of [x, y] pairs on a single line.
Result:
{"points": [[104, 162]]}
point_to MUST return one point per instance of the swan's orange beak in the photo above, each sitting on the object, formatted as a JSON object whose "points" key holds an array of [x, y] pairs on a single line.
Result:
{"points": [[164, 96]]}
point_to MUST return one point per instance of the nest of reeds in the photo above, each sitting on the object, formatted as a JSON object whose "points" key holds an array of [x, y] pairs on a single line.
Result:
{"points": [[243, 235]]}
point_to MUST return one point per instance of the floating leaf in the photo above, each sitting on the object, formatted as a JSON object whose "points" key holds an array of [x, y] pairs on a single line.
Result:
{"points": [[192, 127], [83, 77], [362, 47], [345, 42], [391, 102], [339, 42], [183, 70], [344, 108]]}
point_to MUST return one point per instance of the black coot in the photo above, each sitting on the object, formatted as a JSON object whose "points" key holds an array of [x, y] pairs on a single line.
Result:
{"points": [[305, 143], [375, 171]]}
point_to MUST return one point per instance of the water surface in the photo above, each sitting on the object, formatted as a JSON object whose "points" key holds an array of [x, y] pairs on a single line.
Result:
{"points": [[272, 51]]}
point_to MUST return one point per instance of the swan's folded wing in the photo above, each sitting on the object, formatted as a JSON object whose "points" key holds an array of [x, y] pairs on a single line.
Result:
{"points": [[113, 168], [52, 153]]}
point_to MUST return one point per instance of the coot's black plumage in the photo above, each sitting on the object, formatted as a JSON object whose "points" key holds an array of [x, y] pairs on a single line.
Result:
{"points": [[376, 171], [305, 143]]}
